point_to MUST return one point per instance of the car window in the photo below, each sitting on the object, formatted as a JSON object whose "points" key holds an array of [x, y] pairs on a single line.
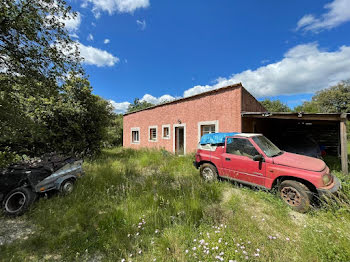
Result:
{"points": [[241, 147], [267, 146]]}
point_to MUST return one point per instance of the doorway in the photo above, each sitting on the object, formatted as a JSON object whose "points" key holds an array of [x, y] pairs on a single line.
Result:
{"points": [[180, 139]]}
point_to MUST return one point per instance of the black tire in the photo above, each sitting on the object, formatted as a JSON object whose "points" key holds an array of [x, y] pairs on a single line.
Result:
{"points": [[297, 195], [67, 186], [208, 172], [18, 201]]}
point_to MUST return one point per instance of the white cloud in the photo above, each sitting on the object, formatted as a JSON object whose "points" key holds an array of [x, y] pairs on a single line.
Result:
{"points": [[90, 37], [265, 61], [112, 6], [71, 23], [338, 13], [142, 24], [119, 108], [74, 35], [106, 41], [303, 69], [95, 56], [157, 100], [84, 4], [122, 107], [91, 55]]}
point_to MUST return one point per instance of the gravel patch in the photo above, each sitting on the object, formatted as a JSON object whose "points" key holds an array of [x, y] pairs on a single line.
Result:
{"points": [[12, 229]]}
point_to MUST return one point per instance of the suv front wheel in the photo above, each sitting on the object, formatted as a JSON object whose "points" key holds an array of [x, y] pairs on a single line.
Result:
{"points": [[208, 172], [296, 195]]}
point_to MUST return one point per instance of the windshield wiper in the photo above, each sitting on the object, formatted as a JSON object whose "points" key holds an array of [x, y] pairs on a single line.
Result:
{"points": [[278, 154]]}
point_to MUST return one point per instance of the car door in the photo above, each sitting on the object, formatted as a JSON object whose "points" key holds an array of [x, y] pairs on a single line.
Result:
{"points": [[238, 161]]}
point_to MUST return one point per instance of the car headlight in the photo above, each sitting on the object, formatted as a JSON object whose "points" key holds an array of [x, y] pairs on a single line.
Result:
{"points": [[327, 179]]}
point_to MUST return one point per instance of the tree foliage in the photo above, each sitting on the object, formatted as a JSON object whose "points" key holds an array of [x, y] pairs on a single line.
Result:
{"points": [[275, 106], [138, 105], [334, 99], [69, 120], [34, 43], [46, 103], [307, 107], [114, 132]]}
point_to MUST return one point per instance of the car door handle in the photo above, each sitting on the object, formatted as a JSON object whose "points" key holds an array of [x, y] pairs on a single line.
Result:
{"points": [[228, 159]]}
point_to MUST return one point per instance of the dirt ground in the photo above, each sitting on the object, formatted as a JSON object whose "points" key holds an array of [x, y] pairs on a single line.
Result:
{"points": [[12, 229]]}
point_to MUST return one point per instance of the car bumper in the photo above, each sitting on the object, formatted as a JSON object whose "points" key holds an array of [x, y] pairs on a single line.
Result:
{"points": [[329, 191]]}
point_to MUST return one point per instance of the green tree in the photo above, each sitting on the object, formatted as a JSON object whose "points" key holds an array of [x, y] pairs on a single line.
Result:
{"points": [[115, 131], [307, 107], [46, 103], [334, 99], [69, 119], [34, 42], [138, 105], [78, 119], [275, 106]]}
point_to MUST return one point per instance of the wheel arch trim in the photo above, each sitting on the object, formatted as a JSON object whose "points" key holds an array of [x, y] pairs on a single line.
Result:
{"points": [[280, 179], [208, 162]]}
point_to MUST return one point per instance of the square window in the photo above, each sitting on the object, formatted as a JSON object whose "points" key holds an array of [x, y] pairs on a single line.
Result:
{"points": [[166, 132], [153, 134], [135, 136], [207, 129]]}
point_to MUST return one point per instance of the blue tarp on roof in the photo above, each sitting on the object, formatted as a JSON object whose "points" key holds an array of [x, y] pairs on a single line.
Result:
{"points": [[215, 138]]}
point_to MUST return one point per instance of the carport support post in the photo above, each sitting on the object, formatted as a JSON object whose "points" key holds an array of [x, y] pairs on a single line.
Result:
{"points": [[343, 145]]}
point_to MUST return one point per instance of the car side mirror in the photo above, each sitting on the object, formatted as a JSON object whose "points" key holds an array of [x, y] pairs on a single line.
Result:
{"points": [[258, 158]]}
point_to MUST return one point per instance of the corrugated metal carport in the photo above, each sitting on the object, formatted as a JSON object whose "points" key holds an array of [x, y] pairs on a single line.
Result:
{"points": [[329, 130]]}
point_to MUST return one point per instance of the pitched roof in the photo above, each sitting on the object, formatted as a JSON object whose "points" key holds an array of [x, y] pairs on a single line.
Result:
{"points": [[190, 97]]}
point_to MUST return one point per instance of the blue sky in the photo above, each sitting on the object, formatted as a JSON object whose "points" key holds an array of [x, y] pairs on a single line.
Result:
{"points": [[159, 50]]}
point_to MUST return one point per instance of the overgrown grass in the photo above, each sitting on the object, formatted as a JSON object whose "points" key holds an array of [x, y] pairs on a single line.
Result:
{"points": [[145, 205]]}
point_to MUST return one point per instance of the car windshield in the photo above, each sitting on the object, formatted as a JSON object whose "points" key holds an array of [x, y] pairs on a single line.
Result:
{"points": [[267, 146]]}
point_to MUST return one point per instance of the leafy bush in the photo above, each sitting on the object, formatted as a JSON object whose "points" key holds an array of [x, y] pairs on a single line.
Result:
{"points": [[67, 119]]}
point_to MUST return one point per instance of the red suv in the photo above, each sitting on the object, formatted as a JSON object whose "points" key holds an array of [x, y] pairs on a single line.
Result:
{"points": [[254, 160]]}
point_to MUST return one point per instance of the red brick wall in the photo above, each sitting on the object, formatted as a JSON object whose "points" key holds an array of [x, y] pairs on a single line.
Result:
{"points": [[223, 105]]}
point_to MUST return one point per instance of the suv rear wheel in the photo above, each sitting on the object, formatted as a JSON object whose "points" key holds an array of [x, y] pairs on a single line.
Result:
{"points": [[208, 172], [296, 195]]}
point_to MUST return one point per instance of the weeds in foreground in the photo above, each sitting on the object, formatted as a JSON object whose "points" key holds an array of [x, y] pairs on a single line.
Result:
{"points": [[152, 206]]}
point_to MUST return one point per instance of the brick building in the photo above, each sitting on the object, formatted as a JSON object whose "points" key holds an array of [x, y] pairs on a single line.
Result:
{"points": [[178, 125]]}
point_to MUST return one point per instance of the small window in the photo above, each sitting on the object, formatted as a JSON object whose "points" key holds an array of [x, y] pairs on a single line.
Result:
{"points": [[241, 147], [166, 132], [153, 134], [207, 129], [135, 135]]}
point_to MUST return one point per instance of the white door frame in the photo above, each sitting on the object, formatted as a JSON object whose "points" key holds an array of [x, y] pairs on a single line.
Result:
{"points": [[174, 135]]}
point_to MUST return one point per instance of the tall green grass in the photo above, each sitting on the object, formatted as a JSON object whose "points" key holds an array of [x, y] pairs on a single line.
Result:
{"points": [[150, 205]]}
